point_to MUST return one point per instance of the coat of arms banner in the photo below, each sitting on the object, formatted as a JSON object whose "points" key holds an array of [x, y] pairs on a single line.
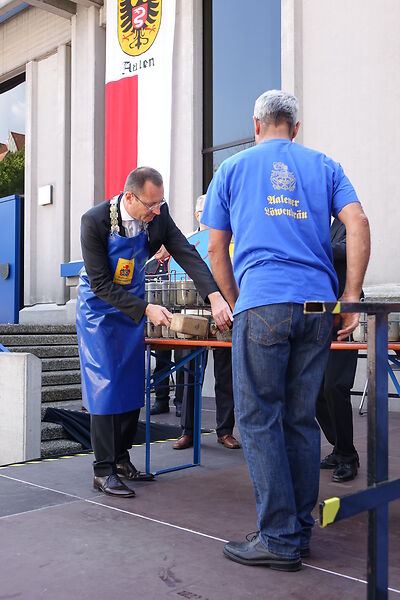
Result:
{"points": [[139, 55]]}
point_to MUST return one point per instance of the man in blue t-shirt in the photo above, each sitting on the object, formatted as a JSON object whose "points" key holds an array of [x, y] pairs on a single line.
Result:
{"points": [[277, 199]]}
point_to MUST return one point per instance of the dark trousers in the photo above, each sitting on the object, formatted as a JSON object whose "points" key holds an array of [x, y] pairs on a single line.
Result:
{"points": [[112, 436], [225, 415], [162, 388], [334, 411]]}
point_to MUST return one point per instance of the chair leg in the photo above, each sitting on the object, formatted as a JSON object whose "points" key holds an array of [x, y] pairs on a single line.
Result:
{"points": [[393, 378], [360, 408]]}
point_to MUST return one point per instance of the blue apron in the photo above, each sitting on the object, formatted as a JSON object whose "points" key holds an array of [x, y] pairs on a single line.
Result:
{"points": [[111, 344]]}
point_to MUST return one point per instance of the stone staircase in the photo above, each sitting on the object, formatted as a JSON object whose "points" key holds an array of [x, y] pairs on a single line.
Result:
{"points": [[57, 347]]}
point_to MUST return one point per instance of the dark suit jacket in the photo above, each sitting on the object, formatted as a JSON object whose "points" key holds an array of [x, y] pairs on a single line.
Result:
{"points": [[338, 241], [95, 228]]}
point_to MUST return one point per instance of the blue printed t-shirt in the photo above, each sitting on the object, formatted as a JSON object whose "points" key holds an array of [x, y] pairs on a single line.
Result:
{"points": [[277, 198]]}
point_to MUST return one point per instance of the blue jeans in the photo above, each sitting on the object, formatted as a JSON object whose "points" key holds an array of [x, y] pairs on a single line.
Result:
{"points": [[279, 356]]}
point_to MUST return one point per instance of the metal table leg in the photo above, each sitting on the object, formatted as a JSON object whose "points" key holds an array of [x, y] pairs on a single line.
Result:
{"points": [[199, 356], [364, 395], [148, 389], [378, 520], [198, 384]]}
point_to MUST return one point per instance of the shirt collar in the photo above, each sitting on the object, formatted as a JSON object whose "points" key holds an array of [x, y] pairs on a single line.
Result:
{"points": [[125, 216]]}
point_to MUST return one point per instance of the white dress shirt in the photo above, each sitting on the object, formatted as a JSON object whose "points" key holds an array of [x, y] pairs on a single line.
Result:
{"points": [[132, 226]]}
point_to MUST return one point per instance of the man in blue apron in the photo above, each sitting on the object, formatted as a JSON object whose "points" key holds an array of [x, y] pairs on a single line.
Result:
{"points": [[117, 238]]}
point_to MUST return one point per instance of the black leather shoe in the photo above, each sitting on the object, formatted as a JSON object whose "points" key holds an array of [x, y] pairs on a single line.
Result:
{"points": [[113, 486], [345, 471], [253, 553], [159, 408], [129, 471], [329, 462]]}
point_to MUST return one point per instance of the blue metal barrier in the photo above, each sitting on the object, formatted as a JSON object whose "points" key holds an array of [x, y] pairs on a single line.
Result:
{"points": [[10, 244]]}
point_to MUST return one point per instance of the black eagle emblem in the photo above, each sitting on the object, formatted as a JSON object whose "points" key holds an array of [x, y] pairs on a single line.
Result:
{"points": [[136, 19]]}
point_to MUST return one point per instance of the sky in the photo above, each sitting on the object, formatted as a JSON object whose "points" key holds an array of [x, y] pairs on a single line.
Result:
{"points": [[12, 111]]}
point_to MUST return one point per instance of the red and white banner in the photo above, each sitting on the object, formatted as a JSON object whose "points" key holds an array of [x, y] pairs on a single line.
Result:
{"points": [[139, 53]]}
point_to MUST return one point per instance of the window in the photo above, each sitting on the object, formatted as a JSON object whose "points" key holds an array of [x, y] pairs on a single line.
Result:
{"points": [[242, 59], [12, 106]]}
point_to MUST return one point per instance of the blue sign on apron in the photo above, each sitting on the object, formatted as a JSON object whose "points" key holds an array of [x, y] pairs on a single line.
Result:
{"points": [[111, 344]]}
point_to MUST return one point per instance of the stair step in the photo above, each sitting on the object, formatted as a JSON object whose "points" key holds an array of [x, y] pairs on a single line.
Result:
{"points": [[52, 431], [60, 448], [56, 346], [60, 364], [48, 351], [12, 340], [63, 378], [66, 404], [54, 393], [21, 329]]}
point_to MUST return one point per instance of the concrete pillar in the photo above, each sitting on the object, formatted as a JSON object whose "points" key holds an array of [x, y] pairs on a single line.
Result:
{"points": [[87, 118], [292, 52], [62, 216], [20, 403], [31, 232], [187, 114], [48, 141]]}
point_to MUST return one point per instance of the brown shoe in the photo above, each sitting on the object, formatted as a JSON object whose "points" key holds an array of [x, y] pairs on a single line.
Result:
{"points": [[185, 441], [229, 441]]}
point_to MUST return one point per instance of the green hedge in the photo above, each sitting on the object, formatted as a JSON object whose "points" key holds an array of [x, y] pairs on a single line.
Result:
{"points": [[12, 171]]}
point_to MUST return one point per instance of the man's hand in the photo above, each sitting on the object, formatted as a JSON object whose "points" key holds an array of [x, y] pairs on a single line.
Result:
{"points": [[162, 253], [158, 315], [349, 320], [357, 252], [349, 323], [221, 312]]}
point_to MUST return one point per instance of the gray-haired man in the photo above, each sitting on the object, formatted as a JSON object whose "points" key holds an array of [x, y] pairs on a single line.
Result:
{"points": [[277, 199]]}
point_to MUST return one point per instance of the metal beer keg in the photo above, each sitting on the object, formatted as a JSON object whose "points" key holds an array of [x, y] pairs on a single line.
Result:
{"points": [[185, 293]]}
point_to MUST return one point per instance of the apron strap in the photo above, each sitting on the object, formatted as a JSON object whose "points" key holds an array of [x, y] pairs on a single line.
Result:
{"points": [[114, 215]]}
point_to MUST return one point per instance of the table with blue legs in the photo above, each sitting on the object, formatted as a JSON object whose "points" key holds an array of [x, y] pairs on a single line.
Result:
{"points": [[197, 351]]}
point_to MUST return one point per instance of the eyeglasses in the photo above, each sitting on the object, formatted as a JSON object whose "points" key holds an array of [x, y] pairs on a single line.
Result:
{"points": [[152, 207]]}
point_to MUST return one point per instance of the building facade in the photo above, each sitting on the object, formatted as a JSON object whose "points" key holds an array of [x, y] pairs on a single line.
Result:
{"points": [[338, 58]]}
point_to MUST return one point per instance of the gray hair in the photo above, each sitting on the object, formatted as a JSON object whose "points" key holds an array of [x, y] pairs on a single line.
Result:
{"points": [[137, 178], [275, 106], [200, 203]]}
